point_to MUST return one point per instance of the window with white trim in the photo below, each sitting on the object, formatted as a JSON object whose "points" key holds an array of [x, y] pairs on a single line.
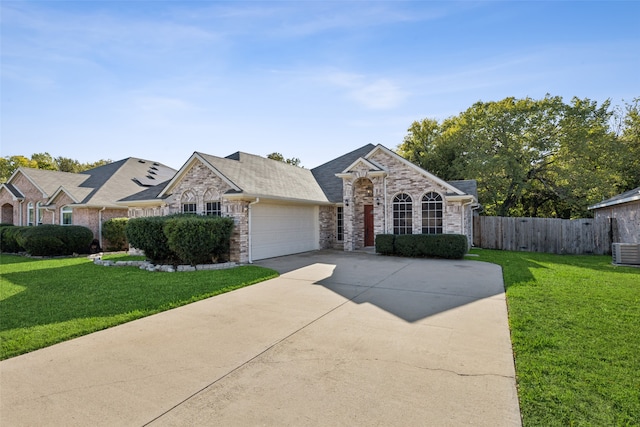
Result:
{"points": [[212, 209], [189, 208], [30, 213], [39, 213], [189, 204], [66, 215], [432, 213], [402, 214]]}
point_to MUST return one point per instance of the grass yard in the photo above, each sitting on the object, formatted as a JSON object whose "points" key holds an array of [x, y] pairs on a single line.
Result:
{"points": [[575, 328], [46, 301]]}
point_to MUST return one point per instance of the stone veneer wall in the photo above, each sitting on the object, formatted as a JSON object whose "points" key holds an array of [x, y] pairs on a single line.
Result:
{"points": [[201, 180], [362, 189], [327, 218]]}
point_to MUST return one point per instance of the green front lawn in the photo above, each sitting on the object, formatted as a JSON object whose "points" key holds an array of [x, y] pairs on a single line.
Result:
{"points": [[46, 301], [575, 327]]}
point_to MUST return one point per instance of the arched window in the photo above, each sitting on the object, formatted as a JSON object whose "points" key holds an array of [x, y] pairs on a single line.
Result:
{"points": [[66, 215], [189, 204], [39, 213], [212, 205], [432, 213], [402, 214], [30, 213]]}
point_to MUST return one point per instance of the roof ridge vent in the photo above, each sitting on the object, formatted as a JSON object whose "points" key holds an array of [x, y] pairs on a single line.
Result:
{"points": [[141, 161]]}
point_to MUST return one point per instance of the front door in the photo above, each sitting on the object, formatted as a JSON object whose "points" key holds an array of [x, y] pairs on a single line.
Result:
{"points": [[368, 226]]}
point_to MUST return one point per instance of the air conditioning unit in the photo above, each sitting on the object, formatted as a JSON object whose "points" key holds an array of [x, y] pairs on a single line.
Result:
{"points": [[626, 253]]}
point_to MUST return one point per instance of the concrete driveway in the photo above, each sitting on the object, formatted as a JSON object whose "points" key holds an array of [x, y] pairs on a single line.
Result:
{"points": [[337, 339]]}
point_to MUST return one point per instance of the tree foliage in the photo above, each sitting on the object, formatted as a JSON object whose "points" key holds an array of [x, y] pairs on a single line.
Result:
{"points": [[294, 161], [532, 157], [9, 164]]}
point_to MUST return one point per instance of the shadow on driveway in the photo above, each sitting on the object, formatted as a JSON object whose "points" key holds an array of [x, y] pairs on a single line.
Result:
{"points": [[411, 289]]}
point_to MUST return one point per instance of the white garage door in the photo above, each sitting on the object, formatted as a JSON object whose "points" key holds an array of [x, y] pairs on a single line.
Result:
{"points": [[283, 229]]}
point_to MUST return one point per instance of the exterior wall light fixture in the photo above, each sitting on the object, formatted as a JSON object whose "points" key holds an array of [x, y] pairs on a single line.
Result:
{"points": [[346, 202]]}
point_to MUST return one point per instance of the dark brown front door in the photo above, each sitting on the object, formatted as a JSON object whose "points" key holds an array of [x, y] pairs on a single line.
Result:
{"points": [[368, 225]]}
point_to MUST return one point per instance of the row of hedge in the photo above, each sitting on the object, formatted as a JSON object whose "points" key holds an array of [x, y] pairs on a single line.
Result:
{"points": [[452, 246], [181, 238], [46, 240]]}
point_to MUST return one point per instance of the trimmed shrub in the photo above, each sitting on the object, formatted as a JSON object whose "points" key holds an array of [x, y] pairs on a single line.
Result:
{"points": [[452, 246], [9, 238], [147, 234], [113, 231], [51, 240], [198, 239], [44, 245], [384, 244]]}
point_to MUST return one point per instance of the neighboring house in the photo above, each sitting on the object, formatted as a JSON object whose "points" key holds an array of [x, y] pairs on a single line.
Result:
{"points": [[281, 209], [36, 196], [625, 208]]}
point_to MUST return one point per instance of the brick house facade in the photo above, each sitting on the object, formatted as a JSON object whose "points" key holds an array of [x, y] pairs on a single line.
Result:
{"points": [[277, 208]]}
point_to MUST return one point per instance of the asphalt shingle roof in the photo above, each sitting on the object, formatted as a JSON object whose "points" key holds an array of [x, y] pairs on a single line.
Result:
{"points": [[326, 177], [104, 185], [627, 196], [259, 176]]}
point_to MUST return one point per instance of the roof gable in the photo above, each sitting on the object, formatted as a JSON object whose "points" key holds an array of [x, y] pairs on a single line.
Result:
{"points": [[382, 149], [370, 166], [195, 158], [255, 176], [325, 174], [15, 193], [48, 181]]}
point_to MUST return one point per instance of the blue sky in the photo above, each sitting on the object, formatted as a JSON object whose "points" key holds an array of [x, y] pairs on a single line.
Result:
{"points": [[309, 79]]}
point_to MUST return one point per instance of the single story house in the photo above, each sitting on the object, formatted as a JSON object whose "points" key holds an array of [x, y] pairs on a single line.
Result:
{"points": [[278, 209], [281, 209], [625, 208], [36, 196]]}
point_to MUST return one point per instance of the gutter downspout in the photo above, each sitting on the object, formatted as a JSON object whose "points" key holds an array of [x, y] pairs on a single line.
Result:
{"points": [[100, 225], [462, 217], [464, 205], [384, 182], [21, 202], [249, 252], [475, 206], [53, 215]]}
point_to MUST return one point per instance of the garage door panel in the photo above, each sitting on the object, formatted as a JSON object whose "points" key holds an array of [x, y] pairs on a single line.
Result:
{"points": [[281, 230]]}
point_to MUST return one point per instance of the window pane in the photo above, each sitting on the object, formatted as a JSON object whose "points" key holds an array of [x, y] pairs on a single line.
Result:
{"points": [[402, 214], [432, 213], [188, 208], [340, 223], [66, 216], [213, 209]]}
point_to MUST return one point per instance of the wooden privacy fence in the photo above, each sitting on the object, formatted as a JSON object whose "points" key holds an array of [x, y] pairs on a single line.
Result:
{"points": [[552, 235]]}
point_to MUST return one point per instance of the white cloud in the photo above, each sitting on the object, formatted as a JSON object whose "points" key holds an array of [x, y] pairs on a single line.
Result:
{"points": [[370, 92]]}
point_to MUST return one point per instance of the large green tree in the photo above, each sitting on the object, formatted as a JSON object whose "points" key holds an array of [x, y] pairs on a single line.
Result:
{"points": [[530, 157], [630, 139]]}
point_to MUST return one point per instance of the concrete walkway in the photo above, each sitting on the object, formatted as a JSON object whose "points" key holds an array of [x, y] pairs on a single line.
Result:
{"points": [[337, 339]]}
